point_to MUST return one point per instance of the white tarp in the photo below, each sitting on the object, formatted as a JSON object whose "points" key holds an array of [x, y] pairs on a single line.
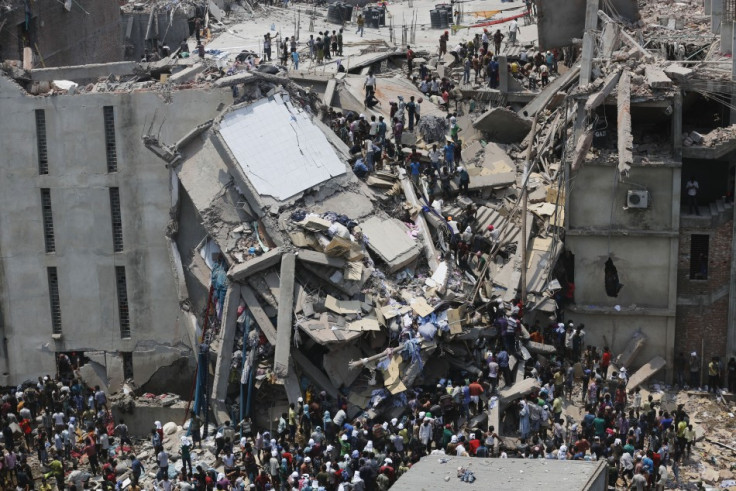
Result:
{"points": [[279, 149]]}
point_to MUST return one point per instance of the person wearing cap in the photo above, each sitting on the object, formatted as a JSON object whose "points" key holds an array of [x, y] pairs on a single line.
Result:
{"points": [[388, 470], [464, 178], [693, 363]]}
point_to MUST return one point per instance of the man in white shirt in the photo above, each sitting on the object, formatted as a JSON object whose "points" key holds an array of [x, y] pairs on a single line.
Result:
{"points": [[370, 84], [692, 187], [513, 29]]}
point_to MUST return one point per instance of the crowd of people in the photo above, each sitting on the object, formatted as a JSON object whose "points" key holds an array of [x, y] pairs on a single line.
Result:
{"points": [[67, 427]]}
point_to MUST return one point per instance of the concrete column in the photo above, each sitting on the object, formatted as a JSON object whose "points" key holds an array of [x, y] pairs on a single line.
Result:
{"points": [[706, 6], [731, 332], [716, 11], [503, 74], [677, 131], [591, 22], [726, 37]]}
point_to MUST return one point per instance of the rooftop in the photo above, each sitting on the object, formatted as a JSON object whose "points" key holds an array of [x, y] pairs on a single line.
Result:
{"points": [[432, 472]]}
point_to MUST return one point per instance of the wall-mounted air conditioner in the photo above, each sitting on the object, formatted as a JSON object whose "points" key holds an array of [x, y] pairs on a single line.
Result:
{"points": [[637, 198]]}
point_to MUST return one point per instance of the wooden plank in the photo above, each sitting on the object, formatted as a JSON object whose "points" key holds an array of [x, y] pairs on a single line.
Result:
{"points": [[259, 315]]}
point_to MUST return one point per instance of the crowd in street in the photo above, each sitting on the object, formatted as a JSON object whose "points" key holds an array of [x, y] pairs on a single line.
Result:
{"points": [[68, 427]]}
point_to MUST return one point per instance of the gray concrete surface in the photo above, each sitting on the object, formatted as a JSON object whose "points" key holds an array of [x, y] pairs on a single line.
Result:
{"points": [[84, 257]]}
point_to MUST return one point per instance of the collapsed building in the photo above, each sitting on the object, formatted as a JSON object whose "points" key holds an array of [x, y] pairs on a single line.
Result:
{"points": [[227, 222]]}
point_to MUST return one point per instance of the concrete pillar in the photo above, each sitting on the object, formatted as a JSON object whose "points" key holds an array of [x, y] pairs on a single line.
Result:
{"points": [[716, 11], [726, 37], [677, 130], [591, 22], [706, 6], [503, 74], [731, 332]]}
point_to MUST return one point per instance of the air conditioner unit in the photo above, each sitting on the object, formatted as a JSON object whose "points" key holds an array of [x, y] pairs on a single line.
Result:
{"points": [[637, 199]]}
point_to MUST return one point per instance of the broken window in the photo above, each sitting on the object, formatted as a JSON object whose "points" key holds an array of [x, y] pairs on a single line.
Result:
{"points": [[43, 160], [127, 364], [611, 280], [117, 220], [53, 279], [699, 256], [48, 220], [110, 146], [122, 286]]}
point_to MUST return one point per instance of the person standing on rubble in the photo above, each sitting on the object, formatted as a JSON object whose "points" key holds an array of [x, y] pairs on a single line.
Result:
{"points": [[492, 73], [497, 39], [339, 42], [443, 43], [409, 61], [694, 365], [267, 47], [411, 108], [449, 151], [361, 23]]}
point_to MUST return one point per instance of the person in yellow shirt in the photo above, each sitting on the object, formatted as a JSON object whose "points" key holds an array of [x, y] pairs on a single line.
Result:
{"points": [[714, 371], [689, 439]]}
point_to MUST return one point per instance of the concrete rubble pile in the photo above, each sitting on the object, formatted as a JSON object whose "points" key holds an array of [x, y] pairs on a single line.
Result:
{"points": [[349, 287]]}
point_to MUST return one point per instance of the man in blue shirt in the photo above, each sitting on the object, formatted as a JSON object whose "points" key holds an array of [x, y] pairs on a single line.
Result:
{"points": [[414, 168], [503, 365], [449, 150]]}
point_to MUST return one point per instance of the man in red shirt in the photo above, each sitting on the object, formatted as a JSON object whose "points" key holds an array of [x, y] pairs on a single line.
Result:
{"points": [[387, 468], [605, 361], [475, 390], [473, 444]]}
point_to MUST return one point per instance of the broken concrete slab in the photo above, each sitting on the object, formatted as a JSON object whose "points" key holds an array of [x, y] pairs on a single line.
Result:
{"points": [[238, 272], [315, 374], [518, 390], [355, 205], [238, 78], [259, 315], [677, 72], [320, 258], [227, 337], [335, 362], [627, 356], [389, 240], [656, 78], [502, 180], [640, 376], [541, 348], [286, 314], [503, 125]]}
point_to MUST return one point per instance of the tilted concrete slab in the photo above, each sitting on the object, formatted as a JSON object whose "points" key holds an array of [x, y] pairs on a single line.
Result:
{"points": [[239, 272], [502, 180], [644, 373], [286, 315], [78, 73], [227, 337], [389, 240], [518, 390], [259, 315], [320, 258], [503, 125]]}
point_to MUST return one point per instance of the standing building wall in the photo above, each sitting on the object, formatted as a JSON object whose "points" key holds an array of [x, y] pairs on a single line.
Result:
{"points": [[87, 33], [88, 268]]}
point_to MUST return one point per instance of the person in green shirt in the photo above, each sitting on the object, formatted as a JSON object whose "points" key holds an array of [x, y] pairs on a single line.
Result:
{"points": [[599, 425], [56, 470]]}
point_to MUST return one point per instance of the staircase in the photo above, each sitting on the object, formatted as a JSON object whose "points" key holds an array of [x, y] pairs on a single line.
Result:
{"points": [[711, 215]]}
